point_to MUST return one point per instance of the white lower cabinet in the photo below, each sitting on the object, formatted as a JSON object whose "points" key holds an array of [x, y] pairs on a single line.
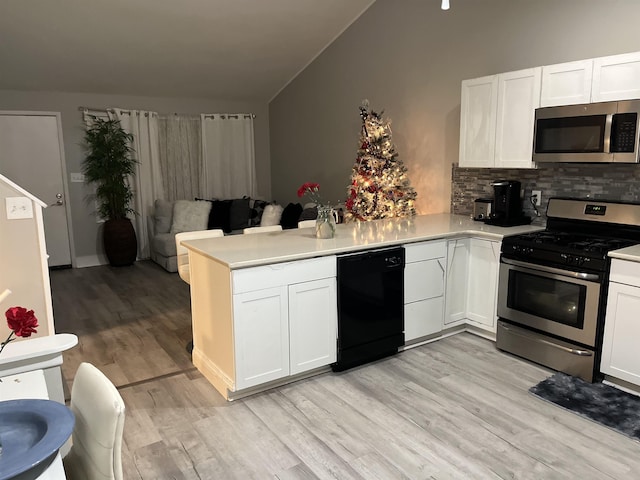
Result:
{"points": [[313, 322], [457, 272], [287, 329], [424, 275], [472, 283], [620, 357], [482, 287], [261, 336]]}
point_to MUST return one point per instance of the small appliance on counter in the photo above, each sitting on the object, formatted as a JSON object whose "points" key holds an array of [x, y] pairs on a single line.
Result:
{"points": [[482, 208], [507, 205]]}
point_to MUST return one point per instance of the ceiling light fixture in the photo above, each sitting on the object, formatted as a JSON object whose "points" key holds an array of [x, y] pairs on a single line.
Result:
{"points": [[445, 5]]}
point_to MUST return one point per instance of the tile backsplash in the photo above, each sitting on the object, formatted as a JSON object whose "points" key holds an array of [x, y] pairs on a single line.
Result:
{"points": [[597, 181]]}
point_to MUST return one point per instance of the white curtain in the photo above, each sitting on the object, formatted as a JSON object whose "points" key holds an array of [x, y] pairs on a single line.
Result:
{"points": [[228, 155], [147, 184], [181, 156]]}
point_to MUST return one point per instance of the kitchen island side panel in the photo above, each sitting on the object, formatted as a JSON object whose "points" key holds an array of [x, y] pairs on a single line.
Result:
{"points": [[212, 321]]}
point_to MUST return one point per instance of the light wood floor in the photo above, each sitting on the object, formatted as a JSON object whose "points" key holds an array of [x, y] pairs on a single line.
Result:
{"points": [[453, 409]]}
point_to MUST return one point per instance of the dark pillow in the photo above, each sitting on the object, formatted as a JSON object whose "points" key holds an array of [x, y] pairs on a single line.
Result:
{"points": [[255, 212], [239, 213], [290, 215], [309, 214], [219, 215]]}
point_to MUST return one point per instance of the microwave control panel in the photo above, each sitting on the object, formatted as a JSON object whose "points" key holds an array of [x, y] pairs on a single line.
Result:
{"points": [[623, 132]]}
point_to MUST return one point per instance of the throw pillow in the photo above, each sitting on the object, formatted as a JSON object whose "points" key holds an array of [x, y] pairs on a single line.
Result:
{"points": [[219, 215], [271, 215], [189, 216], [309, 214], [239, 213], [255, 212], [162, 214], [290, 215]]}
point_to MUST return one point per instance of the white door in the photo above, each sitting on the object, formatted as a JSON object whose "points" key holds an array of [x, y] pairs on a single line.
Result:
{"points": [[31, 156]]}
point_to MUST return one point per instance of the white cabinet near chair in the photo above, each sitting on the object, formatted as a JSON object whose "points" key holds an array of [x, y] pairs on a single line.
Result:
{"points": [[424, 276], [288, 328]]}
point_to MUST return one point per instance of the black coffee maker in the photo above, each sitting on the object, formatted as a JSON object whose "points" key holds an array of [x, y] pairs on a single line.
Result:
{"points": [[507, 204]]}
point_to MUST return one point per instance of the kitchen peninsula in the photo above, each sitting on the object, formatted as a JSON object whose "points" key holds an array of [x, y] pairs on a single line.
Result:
{"points": [[264, 307]]}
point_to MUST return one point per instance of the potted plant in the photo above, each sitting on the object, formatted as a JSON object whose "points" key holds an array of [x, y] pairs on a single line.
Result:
{"points": [[109, 165]]}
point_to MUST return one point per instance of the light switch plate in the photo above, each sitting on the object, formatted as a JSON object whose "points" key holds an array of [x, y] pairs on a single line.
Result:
{"points": [[77, 177], [18, 208]]}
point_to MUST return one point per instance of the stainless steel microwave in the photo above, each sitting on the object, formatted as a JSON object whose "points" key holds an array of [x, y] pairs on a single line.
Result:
{"points": [[604, 132]]}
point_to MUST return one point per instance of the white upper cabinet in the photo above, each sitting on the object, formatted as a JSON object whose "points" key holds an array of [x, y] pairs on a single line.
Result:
{"points": [[478, 113], [518, 98], [496, 119], [566, 83], [616, 78]]}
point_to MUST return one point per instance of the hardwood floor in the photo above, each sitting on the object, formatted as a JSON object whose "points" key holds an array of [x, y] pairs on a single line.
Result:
{"points": [[453, 409]]}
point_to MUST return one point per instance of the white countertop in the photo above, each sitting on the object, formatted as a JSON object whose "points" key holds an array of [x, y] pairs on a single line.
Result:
{"points": [[631, 253], [240, 251]]}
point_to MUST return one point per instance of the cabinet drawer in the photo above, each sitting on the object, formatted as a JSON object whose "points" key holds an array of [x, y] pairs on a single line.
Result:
{"points": [[423, 318], [415, 252], [423, 280], [278, 274], [623, 271]]}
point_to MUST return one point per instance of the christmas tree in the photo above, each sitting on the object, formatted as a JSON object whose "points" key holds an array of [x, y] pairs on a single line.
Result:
{"points": [[379, 186]]}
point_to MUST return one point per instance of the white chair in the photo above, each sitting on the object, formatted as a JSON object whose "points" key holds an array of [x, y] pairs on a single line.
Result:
{"points": [[270, 228], [306, 223], [97, 434], [182, 252]]}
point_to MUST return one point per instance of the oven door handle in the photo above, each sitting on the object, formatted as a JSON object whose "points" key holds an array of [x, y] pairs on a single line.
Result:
{"points": [[558, 271], [573, 351]]}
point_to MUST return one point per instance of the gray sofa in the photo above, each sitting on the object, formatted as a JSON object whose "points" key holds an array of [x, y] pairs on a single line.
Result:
{"points": [[232, 216]]}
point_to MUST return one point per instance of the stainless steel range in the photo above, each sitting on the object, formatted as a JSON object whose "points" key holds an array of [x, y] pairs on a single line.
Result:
{"points": [[553, 284]]}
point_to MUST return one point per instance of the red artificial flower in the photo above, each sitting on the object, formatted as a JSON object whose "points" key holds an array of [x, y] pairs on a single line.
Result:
{"points": [[23, 322], [349, 204], [308, 187]]}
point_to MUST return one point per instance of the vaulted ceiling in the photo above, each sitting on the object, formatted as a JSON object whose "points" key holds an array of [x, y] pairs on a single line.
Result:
{"points": [[226, 49]]}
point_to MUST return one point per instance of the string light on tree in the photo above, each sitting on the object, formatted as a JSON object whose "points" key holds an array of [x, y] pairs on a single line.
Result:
{"points": [[380, 187]]}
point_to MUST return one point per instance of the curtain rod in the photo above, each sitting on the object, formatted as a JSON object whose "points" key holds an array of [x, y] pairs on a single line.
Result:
{"points": [[207, 115], [230, 115]]}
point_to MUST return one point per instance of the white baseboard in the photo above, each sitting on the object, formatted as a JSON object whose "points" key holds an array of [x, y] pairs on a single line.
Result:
{"points": [[91, 261]]}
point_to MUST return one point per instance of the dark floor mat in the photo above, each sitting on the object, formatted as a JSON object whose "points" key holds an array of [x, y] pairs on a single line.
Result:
{"points": [[601, 403]]}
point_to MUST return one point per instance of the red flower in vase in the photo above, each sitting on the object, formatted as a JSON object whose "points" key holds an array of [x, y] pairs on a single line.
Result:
{"points": [[22, 323], [312, 190]]}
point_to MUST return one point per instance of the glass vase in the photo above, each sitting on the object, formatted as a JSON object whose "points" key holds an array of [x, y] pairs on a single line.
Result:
{"points": [[325, 223]]}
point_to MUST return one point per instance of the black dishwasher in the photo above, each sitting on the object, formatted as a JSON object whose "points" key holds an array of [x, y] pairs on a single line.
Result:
{"points": [[370, 306]]}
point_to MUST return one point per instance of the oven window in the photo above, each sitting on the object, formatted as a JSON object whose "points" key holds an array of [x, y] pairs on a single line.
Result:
{"points": [[548, 298], [570, 135]]}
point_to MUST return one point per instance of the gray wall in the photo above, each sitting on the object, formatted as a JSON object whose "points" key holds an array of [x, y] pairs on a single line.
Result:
{"points": [[408, 58], [86, 234]]}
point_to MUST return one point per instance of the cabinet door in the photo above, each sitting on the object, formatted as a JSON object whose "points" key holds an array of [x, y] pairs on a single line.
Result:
{"points": [[478, 107], [620, 357], [566, 83], [616, 78], [313, 321], [518, 97], [484, 258], [456, 285], [261, 336]]}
